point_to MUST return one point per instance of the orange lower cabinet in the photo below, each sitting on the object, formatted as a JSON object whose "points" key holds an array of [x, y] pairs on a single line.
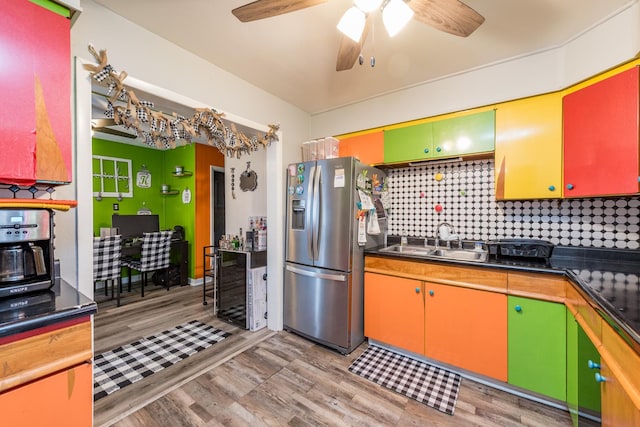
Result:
{"points": [[467, 328], [62, 399], [618, 410], [394, 311]]}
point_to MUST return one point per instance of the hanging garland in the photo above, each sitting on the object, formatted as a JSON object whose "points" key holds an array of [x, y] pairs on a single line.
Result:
{"points": [[163, 131]]}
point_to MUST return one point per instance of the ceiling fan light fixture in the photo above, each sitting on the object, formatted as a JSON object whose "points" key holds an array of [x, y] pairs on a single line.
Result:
{"points": [[395, 15], [352, 23], [367, 6]]}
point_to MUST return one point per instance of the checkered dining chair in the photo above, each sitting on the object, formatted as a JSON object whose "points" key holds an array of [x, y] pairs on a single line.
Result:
{"points": [[106, 263], [154, 256]]}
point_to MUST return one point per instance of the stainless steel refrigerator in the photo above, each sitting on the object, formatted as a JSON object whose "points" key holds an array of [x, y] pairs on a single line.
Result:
{"points": [[324, 269]]}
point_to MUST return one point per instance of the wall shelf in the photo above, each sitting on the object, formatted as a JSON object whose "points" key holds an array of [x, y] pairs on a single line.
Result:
{"points": [[170, 193], [182, 174]]}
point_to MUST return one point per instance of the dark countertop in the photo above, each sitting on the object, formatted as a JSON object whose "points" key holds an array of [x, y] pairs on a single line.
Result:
{"points": [[609, 277], [35, 310]]}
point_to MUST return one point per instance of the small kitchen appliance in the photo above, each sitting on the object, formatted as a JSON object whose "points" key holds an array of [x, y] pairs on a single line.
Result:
{"points": [[520, 248], [26, 251]]}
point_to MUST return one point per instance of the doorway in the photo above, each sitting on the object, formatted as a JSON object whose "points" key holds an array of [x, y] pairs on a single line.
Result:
{"points": [[217, 205]]}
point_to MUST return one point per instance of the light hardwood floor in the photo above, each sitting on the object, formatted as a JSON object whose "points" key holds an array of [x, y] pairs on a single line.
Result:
{"points": [[274, 379]]}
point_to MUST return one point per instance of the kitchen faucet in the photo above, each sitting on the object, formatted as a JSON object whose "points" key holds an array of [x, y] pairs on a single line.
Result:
{"points": [[444, 231]]}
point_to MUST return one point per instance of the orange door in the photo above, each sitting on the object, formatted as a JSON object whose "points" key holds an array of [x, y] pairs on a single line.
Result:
{"points": [[62, 399], [467, 328], [394, 311]]}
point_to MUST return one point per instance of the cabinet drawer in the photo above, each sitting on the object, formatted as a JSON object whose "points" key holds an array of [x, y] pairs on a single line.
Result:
{"points": [[585, 314], [471, 277], [34, 357], [537, 286]]}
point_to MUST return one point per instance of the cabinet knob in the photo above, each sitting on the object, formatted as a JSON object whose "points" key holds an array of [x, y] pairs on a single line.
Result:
{"points": [[426, 151], [569, 186], [417, 290], [431, 292], [438, 149], [593, 365], [600, 378], [552, 188], [518, 308]]}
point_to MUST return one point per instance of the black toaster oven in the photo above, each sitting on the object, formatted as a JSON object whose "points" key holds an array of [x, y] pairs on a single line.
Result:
{"points": [[522, 248]]}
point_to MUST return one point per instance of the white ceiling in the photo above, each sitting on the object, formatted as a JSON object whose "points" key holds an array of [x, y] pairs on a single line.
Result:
{"points": [[293, 56]]}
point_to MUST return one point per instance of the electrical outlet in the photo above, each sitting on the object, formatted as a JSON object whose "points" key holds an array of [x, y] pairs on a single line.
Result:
{"points": [[116, 206]]}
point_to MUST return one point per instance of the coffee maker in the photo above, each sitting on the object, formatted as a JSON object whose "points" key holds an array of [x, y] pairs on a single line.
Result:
{"points": [[26, 251]]}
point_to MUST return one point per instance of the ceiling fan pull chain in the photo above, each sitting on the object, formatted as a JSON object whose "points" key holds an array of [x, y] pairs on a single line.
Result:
{"points": [[372, 61]]}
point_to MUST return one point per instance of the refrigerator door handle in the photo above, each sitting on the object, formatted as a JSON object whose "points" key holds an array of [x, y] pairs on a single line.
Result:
{"points": [[316, 212], [336, 277], [309, 214]]}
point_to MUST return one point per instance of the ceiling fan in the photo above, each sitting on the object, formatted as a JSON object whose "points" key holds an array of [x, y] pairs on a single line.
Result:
{"points": [[451, 16]]}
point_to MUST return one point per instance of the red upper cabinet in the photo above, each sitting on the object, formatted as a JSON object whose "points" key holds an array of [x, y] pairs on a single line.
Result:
{"points": [[600, 126], [35, 80]]}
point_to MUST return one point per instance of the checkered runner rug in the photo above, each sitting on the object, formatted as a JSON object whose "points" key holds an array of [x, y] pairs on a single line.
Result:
{"points": [[420, 381], [115, 369]]}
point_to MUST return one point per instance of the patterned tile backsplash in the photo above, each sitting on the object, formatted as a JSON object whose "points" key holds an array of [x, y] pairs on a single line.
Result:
{"points": [[467, 195]]}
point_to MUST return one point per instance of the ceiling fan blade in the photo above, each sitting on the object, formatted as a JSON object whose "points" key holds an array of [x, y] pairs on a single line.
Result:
{"points": [[349, 50], [261, 9], [450, 16], [114, 132]]}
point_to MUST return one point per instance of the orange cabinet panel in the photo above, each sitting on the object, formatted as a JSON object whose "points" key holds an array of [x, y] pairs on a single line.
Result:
{"points": [[62, 399], [618, 409], [368, 147], [394, 311], [467, 328], [600, 124]]}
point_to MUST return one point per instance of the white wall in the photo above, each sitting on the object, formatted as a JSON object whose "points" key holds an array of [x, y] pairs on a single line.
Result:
{"points": [[612, 42]]}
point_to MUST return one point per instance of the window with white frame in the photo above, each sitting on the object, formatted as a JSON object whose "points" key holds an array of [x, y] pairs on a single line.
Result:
{"points": [[112, 177]]}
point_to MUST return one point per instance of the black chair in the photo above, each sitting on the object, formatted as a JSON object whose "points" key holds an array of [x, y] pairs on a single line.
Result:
{"points": [[155, 254], [106, 263]]}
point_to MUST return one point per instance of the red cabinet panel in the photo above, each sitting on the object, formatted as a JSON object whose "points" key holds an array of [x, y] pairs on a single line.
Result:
{"points": [[601, 137], [35, 79]]}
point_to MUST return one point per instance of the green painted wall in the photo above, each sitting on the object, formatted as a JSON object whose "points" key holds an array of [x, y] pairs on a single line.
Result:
{"points": [[175, 211]]}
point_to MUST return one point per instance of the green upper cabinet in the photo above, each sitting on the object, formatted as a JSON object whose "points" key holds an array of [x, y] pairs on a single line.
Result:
{"points": [[455, 136], [408, 143], [537, 346], [475, 133]]}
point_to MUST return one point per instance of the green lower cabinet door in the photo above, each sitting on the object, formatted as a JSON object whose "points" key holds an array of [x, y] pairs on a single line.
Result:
{"points": [[537, 334], [583, 361]]}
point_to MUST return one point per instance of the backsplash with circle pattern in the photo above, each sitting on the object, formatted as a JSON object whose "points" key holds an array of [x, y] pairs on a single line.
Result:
{"points": [[467, 196]]}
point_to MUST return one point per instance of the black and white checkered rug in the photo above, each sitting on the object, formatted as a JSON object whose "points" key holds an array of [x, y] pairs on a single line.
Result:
{"points": [[420, 381], [115, 369]]}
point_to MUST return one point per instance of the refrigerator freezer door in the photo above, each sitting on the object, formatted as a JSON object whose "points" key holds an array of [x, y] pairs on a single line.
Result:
{"points": [[300, 205], [335, 215], [316, 304]]}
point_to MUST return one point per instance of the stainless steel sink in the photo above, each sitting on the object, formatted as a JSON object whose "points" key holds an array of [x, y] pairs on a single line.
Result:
{"points": [[461, 254], [408, 249], [431, 252]]}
